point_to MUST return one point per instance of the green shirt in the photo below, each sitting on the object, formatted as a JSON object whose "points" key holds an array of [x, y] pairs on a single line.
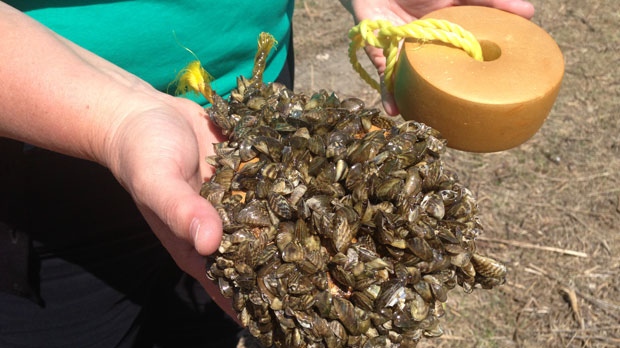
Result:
{"points": [[152, 38]]}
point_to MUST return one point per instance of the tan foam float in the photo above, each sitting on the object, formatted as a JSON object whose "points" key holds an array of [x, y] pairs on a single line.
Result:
{"points": [[481, 106]]}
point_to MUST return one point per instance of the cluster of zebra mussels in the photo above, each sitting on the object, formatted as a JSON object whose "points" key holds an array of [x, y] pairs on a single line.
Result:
{"points": [[342, 228]]}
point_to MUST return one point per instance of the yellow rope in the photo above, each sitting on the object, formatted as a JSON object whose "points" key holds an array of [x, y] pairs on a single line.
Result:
{"points": [[383, 34]]}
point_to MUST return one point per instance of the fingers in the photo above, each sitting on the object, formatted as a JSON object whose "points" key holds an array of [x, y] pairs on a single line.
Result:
{"points": [[195, 265], [519, 7], [214, 292], [204, 234], [387, 98], [378, 60]]}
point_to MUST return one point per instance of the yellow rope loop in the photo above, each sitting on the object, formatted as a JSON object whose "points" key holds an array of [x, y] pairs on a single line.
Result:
{"points": [[466, 40], [364, 34], [382, 34], [471, 46]]}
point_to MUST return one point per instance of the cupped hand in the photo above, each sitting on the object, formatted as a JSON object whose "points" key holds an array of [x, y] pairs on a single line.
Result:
{"points": [[401, 12], [157, 153]]}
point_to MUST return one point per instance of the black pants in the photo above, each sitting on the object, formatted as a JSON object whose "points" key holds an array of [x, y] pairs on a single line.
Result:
{"points": [[80, 267], [104, 280]]}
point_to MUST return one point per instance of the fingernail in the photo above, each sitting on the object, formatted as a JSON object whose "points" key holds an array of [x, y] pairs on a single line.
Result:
{"points": [[194, 228]]}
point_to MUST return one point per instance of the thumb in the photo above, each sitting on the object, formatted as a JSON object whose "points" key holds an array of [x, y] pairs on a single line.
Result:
{"points": [[179, 209], [205, 227]]}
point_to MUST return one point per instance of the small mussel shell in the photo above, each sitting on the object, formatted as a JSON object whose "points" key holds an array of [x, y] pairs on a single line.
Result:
{"points": [[280, 205], [352, 105], [489, 268], [254, 214]]}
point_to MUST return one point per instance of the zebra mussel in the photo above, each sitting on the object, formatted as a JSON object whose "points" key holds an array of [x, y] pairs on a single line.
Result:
{"points": [[342, 228]]}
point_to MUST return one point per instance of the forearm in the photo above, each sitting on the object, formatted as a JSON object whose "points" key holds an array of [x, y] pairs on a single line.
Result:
{"points": [[55, 94]]}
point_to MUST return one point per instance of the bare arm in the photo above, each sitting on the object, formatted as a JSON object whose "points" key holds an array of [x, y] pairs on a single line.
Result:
{"points": [[55, 94]]}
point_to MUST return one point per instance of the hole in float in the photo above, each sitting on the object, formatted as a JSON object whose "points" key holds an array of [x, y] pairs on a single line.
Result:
{"points": [[490, 50]]}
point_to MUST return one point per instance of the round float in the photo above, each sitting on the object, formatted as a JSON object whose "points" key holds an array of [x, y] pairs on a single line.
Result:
{"points": [[481, 106]]}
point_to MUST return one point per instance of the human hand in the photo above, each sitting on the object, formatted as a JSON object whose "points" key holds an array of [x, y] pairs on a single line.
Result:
{"points": [[157, 153], [401, 12]]}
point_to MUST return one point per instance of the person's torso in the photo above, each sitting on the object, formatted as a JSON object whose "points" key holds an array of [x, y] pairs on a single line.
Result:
{"points": [[155, 39]]}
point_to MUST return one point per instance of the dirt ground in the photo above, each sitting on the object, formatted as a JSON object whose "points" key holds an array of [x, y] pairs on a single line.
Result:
{"points": [[550, 207]]}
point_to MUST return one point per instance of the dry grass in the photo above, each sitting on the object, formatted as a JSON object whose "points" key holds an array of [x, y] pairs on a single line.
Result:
{"points": [[551, 207]]}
